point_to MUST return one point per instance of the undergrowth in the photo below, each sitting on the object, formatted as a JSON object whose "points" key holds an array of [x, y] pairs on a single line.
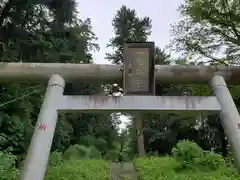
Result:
{"points": [[187, 162], [79, 170]]}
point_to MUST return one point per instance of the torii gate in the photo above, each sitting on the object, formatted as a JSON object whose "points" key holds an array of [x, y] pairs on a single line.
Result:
{"points": [[139, 77]]}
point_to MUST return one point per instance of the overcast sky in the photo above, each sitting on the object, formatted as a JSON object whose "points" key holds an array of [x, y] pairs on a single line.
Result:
{"points": [[162, 13], [101, 12]]}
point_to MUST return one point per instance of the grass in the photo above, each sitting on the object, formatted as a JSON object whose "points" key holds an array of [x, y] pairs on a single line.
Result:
{"points": [[79, 170], [166, 168], [151, 168], [188, 162]]}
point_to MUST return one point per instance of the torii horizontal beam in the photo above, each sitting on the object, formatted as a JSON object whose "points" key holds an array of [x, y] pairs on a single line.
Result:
{"points": [[145, 104], [186, 74]]}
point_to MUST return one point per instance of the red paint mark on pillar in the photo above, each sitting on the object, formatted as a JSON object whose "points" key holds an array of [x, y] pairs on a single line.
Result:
{"points": [[42, 127]]}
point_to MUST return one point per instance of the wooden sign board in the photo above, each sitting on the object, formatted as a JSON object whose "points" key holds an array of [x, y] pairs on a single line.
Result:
{"points": [[139, 69]]}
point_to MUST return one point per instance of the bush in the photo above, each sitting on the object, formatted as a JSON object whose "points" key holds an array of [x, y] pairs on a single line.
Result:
{"points": [[112, 155], [187, 153], [76, 152], [154, 168], [165, 168], [93, 153], [190, 156], [55, 159], [79, 170], [212, 161], [7, 166]]}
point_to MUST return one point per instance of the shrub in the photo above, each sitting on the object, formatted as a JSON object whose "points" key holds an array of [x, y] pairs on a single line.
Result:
{"points": [[125, 157], [55, 159], [164, 168], [112, 155], [190, 156], [212, 161], [75, 152], [79, 170], [94, 153], [187, 153], [154, 168], [7, 166]]}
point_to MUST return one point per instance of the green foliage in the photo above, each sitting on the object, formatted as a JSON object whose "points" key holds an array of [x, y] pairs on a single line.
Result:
{"points": [[234, 90], [55, 159], [76, 152], [230, 157], [40, 32], [212, 161], [79, 170], [35, 31], [94, 153], [209, 167], [187, 153], [200, 90], [127, 27], [79, 151], [63, 134], [155, 168], [7, 169], [112, 155], [100, 143], [209, 29], [166, 168]]}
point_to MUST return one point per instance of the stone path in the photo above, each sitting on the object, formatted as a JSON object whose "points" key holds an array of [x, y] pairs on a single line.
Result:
{"points": [[124, 171]]}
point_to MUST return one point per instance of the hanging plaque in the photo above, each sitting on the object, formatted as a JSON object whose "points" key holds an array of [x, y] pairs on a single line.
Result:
{"points": [[139, 69]]}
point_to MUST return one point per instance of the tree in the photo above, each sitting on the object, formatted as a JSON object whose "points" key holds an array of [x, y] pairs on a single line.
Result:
{"points": [[130, 28], [209, 29], [45, 31], [127, 27]]}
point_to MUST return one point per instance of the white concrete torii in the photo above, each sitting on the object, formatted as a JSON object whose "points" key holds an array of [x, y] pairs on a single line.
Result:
{"points": [[54, 101]]}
